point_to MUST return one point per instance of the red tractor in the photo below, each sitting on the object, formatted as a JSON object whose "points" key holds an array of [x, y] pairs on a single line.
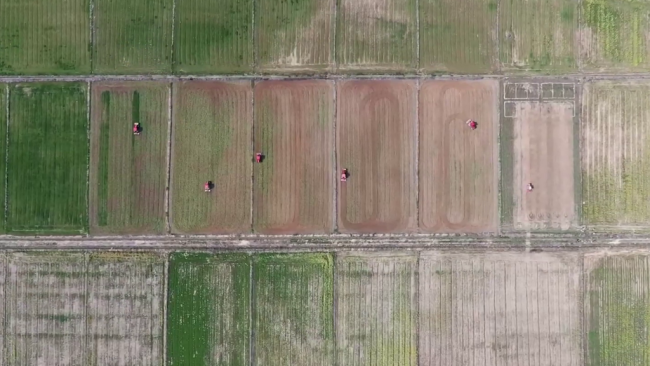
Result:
{"points": [[472, 124], [344, 175], [258, 157], [136, 128], [207, 187]]}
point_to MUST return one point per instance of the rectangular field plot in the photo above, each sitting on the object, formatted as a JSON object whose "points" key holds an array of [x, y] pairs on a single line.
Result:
{"points": [[48, 158], [208, 310], [132, 37], [458, 166], [376, 310], [538, 147], [538, 34], [293, 313], [128, 173], [614, 35], [458, 36], [617, 309], [616, 154], [294, 185], [4, 115], [376, 143], [372, 35], [125, 309], [211, 143], [213, 36], [46, 310], [500, 309], [294, 35], [44, 37]]}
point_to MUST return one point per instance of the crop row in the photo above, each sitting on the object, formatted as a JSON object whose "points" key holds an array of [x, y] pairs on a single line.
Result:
{"points": [[235, 36], [385, 308]]}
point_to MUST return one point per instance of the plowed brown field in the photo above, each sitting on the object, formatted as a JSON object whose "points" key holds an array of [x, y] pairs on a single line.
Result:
{"points": [[293, 187], [376, 142], [458, 166], [543, 156]]}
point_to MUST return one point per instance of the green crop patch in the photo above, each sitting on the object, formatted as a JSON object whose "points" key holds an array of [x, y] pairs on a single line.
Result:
{"points": [[615, 34], [618, 313], [208, 310], [4, 114], [132, 36], [451, 42], [213, 36], [47, 158], [376, 314], [616, 154], [128, 172], [373, 35], [294, 34], [293, 312], [538, 35], [44, 37], [211, 143]]}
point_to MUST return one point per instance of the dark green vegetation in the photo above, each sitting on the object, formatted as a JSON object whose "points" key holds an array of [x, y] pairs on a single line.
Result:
{"points": [[208, 310], [213, 36], [619, 314], [48, 158], [451, 43], [211, 142], [128, 172], [294, 33], [44, 37], [293, 309], [133, 37]]}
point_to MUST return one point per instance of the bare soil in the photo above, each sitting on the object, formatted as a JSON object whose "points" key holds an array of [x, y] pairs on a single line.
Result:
{"points": [[544, 156], [458, 166], [294, 185], [376, 142]]}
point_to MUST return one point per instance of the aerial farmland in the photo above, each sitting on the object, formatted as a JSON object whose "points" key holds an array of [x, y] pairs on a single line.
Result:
{"points": [[324, 182]]}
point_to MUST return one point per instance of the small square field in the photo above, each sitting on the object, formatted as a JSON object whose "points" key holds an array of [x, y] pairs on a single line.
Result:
{"points": [[458, 166], [376, 142], [294, 35], [538, 35], [500, 309], [376, 35], [132, 37], [616, 155], [211, 143], [614, 35], [128, 172], [47, 179], [293, 190], [44, 37], [539, 147], [451, 42], [213, 36]]}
